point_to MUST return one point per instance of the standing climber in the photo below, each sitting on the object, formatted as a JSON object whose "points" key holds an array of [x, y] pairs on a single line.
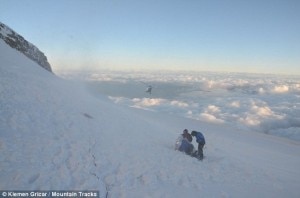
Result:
{"points": [[201, 142]]}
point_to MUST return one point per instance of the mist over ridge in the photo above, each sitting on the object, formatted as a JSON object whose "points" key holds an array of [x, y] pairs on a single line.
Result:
{"points": [[266, 103]]}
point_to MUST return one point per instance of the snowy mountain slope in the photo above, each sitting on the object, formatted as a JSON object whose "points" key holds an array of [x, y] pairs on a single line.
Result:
{"points": [[55, 135]]}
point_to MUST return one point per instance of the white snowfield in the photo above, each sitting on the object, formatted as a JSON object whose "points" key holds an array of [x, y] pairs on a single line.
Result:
{"points": [[54, 135]]}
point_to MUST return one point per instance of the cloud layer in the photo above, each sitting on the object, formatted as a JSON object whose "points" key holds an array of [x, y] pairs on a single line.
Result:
{"points": [[263, 103]]}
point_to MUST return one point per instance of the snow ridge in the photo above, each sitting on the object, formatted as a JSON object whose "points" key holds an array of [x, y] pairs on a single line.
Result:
{"points": [[17, 42]]}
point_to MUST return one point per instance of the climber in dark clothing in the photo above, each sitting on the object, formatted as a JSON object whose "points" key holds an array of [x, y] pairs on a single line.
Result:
{"points": [[201, 142], [186, 135], [183, 143]]}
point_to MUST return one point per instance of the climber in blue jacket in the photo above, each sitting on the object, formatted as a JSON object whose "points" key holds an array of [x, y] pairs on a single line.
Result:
{"points": [[201, 142]]}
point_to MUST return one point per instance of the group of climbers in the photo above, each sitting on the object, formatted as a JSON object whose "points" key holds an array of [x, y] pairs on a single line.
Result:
{"points": [[184, 143]]}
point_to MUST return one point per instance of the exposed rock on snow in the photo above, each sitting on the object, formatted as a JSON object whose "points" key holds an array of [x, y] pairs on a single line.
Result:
{"points": [[17, 42]]}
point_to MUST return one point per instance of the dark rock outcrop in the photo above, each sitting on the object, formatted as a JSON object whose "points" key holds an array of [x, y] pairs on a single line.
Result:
{"points": [[17, 42]]}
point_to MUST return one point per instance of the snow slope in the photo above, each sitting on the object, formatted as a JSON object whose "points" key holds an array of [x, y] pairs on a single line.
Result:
{"points": [[55, 135]]}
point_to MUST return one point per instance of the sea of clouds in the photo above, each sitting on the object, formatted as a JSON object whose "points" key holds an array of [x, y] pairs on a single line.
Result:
{"points": [[257, 102]]}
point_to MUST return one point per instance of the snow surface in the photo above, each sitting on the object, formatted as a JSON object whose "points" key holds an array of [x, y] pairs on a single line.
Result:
{"points": [[55, 135]]}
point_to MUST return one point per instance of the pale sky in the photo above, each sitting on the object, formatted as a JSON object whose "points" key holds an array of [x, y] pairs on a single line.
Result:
{"points": [[261, 36]]}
